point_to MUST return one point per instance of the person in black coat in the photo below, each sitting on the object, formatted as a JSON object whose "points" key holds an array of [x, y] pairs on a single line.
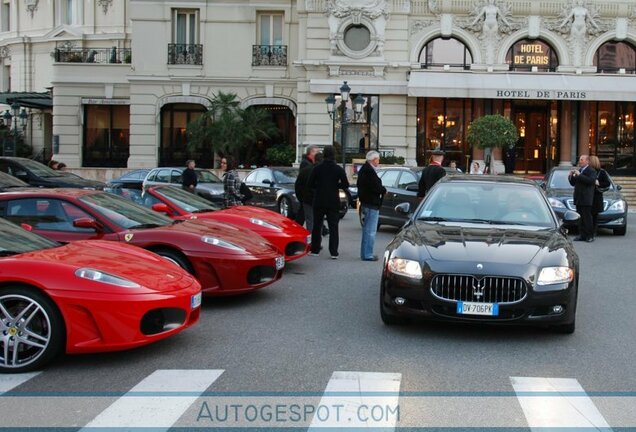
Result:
{"points": [[370, 195], [602, 185], [308, 160], [326, 180], [304, 193], [432, 173], [189, 177], [584, 181]]}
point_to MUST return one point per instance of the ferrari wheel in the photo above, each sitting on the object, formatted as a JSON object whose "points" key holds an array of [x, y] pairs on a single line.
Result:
{"points": [[284, 207], [175, 258], [31, 330]]}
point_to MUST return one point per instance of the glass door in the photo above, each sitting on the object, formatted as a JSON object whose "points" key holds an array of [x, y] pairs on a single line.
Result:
{"points": [[531, 151]]}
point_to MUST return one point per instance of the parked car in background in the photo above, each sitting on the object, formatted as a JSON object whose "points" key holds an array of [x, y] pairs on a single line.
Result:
{"points": [[135, 177], [8, 182], [482, 249], [559, 193], [225, 259], [290, 238], [39, 175], [86, 296], [209, 186], [273, 188]]}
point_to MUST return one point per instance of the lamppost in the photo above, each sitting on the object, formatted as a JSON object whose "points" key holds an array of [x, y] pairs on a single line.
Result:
{"points": [[18, 116], [358, 105]]}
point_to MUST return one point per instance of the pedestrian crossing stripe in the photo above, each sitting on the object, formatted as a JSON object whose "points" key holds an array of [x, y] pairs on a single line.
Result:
{"points": [[168, 399]]}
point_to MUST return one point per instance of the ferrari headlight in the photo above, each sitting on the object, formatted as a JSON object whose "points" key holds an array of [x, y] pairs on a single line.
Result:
{"points": [[221, 243], [556, 203], [405, 267], [555, 275], [100, 276], [617, 206], [261, 222]]}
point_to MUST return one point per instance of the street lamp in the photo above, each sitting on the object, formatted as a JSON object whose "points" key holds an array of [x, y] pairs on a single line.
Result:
{"points": [[12, 121], [358, 105]]}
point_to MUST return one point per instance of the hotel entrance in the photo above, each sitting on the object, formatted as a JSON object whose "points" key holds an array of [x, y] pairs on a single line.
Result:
{"points": [[536, 150]]}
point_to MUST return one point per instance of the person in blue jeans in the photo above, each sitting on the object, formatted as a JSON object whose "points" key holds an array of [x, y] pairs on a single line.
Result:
{"points": [[370, 194]]}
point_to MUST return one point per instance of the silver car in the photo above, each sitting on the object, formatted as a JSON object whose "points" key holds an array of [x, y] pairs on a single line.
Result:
{"points": [[209, 186]]}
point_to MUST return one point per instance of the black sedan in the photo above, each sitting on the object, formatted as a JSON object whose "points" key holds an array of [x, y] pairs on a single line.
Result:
{"points": [[273, 188], [482, 249], [209, 186], [559, 192], [39, 175]]}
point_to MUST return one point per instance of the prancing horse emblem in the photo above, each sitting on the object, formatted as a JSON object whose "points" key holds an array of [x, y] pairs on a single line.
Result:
{"points": [[478, 288]]}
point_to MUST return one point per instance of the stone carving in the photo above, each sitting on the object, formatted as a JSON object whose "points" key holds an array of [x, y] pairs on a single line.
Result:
{"points": [[32, 6], [375, 12], [419, 25], [432, 7], [105, 4], [5, 52], [490, 19], [580, 22]]}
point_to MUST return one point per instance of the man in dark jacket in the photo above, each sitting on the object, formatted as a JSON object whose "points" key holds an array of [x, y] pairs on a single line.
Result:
{"points": [[304, 193], [584, 181], [326, 180], [370, 194], [189, 177], [432, 173], [308, 160]]}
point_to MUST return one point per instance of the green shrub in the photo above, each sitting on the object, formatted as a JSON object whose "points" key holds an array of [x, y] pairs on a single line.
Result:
{"points": [[492, 131], [281, 155]]}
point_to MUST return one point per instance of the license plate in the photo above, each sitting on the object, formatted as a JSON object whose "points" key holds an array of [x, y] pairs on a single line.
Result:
{"points": [[470, 308], [195, 301], [280, 262]]}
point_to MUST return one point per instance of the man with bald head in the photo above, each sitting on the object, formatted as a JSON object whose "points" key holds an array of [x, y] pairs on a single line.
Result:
{"points": [[584, 180]]}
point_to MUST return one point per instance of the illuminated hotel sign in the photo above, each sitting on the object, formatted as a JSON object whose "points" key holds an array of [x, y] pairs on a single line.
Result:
{"points": [[533, 54]]}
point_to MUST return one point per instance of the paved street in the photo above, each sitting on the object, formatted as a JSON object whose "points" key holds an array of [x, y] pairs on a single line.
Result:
{"points": [[284, 344]]}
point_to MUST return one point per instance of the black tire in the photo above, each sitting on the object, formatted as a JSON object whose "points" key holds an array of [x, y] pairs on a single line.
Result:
{"points": [[175, 257], [46, 336], [620, 231], [285, 207], [387, 317], [565, 328]]}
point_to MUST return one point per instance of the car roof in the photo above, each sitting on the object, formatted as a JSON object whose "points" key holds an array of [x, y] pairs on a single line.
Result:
{"points": [[509, 179], [401, 168], [46, 192]]}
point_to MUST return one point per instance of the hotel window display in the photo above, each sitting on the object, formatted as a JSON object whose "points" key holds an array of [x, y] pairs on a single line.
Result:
{"points": [[174, 139], [532, 55], [612, 135], [106, 136], [616, 57], [362, 133], [445, 53]]}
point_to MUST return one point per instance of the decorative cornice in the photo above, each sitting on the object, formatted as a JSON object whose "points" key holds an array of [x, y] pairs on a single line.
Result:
{"points": [[32, 6], [105, 4], [419, 25]]}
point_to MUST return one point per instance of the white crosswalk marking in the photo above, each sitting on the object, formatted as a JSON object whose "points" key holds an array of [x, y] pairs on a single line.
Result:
{"points": [[159, 412], [9, 382], [560, 403], [349, 401]]}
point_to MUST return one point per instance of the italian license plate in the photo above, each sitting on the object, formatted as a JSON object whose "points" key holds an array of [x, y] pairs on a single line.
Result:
{"points": [[471, 308], [280, 262], [195, 301]]}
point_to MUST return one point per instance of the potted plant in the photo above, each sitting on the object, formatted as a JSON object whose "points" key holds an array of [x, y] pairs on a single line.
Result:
{"points": [[492, 131]]}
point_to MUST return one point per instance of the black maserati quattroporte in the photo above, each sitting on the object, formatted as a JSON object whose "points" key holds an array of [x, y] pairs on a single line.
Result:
{"points": [[482, 249]]}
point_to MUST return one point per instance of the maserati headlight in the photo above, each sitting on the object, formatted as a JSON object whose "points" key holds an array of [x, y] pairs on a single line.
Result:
{"points": [[99, 276], [555, 275], [264, 224], [221, 243], [405, 267], [617, 206], [342, 194], [556, 203]]}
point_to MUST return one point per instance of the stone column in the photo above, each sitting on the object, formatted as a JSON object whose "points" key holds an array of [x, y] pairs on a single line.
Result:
{"points": [[584, 128], [565, 119]]}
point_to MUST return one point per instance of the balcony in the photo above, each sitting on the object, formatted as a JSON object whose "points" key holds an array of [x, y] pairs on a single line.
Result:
{"points": [[93, 55], [269, 55], [185, 54]]}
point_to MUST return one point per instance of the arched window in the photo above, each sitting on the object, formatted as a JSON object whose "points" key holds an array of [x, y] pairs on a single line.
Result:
{"points": [[532, 55], [614, 57], [442, 53]]}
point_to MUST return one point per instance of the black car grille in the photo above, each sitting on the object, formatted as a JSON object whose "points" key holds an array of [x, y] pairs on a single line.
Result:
{"points": [[487, 289]]}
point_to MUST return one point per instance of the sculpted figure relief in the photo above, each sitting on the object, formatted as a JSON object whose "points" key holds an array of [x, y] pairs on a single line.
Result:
{"points": [[490, 19], [579, 23]]}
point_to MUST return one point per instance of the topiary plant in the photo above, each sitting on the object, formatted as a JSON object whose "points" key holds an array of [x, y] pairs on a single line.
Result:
{"points": [[492, 131]]}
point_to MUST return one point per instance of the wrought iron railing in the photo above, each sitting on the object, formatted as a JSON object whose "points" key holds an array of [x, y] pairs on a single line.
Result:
{"points": [[186, 54], [269, 55], [93, 55]]}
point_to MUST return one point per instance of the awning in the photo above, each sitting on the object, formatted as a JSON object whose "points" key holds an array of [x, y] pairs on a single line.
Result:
{"points": [[516, 85], [28, 99]]}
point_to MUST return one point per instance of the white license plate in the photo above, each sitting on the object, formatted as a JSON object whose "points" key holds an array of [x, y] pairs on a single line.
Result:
{"points": [[280, 262], [470, 308], [195, 301]]}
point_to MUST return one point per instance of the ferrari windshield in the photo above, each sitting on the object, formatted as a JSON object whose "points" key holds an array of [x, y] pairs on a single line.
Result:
{"points": [[185, 200], [16, 240], [124, 213], [487, 202]]}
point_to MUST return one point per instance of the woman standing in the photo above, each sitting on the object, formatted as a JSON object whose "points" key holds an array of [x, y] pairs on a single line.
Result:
{"points": [[602, 184], [231, 183]]}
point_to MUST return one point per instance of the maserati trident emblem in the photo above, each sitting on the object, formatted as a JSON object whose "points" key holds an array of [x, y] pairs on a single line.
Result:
{"points": [[478, 288]]}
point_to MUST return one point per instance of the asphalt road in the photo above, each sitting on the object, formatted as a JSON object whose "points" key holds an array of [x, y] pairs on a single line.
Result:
{"points": [[323, 316]]}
